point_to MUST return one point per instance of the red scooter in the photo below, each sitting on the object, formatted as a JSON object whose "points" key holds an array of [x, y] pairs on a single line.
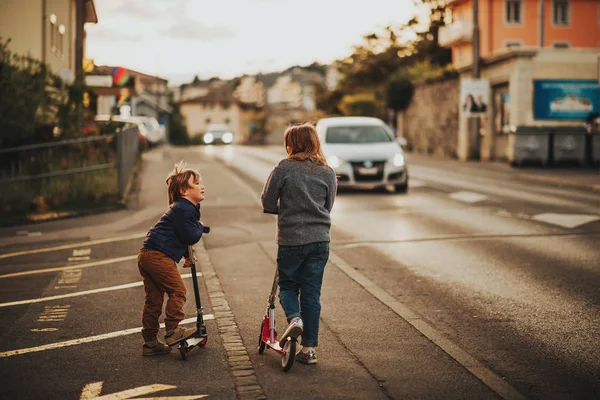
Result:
{"points": [[268, 334]]}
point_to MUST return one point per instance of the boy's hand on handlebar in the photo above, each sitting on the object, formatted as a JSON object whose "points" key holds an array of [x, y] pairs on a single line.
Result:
{"points": [[187, 263]]}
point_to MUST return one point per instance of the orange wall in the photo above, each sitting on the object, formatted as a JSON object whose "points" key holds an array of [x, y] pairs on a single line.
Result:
{"points": [[584, 30]]}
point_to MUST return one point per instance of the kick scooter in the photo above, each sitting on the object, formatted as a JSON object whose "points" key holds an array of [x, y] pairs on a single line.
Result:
{"points": [[268, 334], [199, 338]]}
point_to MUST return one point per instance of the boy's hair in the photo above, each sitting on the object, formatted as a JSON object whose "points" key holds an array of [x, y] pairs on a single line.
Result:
{"points": [[303, 141], [178, 180]]}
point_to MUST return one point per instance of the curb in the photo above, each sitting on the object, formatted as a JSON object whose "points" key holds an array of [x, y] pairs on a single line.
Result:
{"points": [[240, 366]]}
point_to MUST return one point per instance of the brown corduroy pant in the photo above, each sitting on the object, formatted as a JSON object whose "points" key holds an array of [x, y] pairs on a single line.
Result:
{"points": [[160, 276]]}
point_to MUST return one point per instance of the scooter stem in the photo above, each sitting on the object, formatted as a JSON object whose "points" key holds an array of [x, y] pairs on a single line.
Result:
{"points": [[200, 320], [273, 289]]}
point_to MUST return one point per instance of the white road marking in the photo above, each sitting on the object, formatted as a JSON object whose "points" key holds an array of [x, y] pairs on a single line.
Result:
{"points": [[78, 258], [467, 197], [69, 279], [415, 183], [54, 313], [91, 390], [487, 376], [73, 245], [90, 339], [82, 252], [44, 329], [566, 220], [83, 293], [68, 267]]}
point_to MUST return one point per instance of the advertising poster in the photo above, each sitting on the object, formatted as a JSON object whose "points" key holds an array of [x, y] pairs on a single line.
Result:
{"points": [[565, 99], [474, 97]]}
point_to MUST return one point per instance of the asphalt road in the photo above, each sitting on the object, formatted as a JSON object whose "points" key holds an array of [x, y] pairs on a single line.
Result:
{"points": [[470, 286]]}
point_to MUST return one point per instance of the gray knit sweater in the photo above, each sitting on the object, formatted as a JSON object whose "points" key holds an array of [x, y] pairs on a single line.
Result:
{"points": [[302, 194]]}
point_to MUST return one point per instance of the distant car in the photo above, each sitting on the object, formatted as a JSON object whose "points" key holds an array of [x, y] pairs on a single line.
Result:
{"points": [[364, 153], [217, 133]]}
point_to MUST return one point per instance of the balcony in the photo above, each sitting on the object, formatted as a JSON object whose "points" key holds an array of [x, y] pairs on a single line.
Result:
{"points": [[458, 32]]}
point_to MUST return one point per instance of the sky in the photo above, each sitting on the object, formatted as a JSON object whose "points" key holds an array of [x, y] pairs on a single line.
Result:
{"points": [[177, 39]]}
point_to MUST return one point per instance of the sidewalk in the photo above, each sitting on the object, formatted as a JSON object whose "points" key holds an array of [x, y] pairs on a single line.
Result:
{"points": [[584, 178]]}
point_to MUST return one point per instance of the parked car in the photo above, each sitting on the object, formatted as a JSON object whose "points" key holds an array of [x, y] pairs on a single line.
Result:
{"points": [[217, 133], [363, 152], [155, 134], [116, 124]]}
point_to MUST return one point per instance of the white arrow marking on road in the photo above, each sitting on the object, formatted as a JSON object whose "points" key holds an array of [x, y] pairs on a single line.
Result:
{"points": [[89, 339], [68, 267], [85, 292], [71, 246], [91, 390], [468, 197], [566, 220]]}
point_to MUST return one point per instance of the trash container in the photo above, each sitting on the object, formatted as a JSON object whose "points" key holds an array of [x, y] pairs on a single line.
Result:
{"points": [[531, 143], [595, 158], [568, 144]]}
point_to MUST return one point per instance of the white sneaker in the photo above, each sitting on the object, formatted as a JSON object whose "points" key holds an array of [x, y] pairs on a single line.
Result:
{"points": [[293, 330]]}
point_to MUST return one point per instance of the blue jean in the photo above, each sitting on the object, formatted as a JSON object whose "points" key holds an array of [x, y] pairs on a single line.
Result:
{"points": [[300, 278]]}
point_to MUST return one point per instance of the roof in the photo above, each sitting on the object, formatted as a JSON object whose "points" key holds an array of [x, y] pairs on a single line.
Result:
{"points": [[107, 70], [90, 12]]}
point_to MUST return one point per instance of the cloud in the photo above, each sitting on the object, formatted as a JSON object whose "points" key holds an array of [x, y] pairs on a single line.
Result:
{"points": [[193, 30], [112, 35]]}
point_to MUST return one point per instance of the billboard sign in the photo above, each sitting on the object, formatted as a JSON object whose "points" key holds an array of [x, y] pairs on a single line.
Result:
{"points": [[565, 99], [474, 97]]}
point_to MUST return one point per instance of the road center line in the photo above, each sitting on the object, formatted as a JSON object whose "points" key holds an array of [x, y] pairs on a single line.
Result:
{"points": [[73, 245], [89, 339], [83, 293], [68, 267]]}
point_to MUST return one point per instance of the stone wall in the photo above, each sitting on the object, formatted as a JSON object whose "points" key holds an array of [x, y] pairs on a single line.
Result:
{"points": [[430, 123]]}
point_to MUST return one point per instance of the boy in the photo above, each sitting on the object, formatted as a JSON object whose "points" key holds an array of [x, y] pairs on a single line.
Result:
{"points": [[165, 244]]}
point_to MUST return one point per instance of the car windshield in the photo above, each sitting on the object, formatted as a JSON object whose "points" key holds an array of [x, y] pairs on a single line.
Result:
{"points": [[357, 134]]}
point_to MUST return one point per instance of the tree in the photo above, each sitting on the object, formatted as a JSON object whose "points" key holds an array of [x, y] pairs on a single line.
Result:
{"points": [[363, 104], [178, 133]]}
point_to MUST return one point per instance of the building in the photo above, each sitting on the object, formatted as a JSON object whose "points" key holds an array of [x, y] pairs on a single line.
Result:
{"points": [[525, 46], [46, 30], [145, 95]]}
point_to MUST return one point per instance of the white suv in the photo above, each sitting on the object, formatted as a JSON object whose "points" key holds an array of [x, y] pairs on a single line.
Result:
{"points": [[363, 153]]}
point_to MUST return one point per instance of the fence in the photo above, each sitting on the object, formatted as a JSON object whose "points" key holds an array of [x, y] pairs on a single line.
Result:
{"points": [[90, 169]]}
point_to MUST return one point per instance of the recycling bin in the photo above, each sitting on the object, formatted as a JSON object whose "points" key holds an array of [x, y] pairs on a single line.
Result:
{"points": [[568, 144], [531, 144]]}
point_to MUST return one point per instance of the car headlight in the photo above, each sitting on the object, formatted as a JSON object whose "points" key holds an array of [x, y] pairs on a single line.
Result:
{"points": [[208, 138], [227, 137], [333, 161], [398, 160]]}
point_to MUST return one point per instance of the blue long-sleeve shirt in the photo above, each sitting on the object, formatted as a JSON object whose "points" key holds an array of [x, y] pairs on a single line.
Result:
{"points": [[178, 228]]}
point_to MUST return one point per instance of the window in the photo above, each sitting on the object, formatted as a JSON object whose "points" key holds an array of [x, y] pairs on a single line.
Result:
{"points": [[514, 11], [60, 45], [560, 12], [561, 45], [53, 32], [513, 44]]}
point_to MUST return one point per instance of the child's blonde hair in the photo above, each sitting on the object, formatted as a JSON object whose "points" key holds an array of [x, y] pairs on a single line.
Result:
{"points": [[178, 180], [303, 141]]}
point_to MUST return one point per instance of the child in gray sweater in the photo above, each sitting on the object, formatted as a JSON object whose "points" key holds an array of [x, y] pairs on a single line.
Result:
{"points": [[301, 190]]}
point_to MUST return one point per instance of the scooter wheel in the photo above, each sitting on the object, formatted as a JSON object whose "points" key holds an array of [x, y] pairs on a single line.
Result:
{"points": [[261, 344], [184, 350], [202, 343], [287, 360]]}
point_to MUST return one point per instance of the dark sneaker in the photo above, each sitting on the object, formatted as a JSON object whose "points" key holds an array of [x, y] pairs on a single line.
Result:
{"points": [[158, 349], [294, 329], [309, 357], [179, 335]]}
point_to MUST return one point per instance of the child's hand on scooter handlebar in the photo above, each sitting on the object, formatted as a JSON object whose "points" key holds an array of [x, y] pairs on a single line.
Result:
{"points": [[187, 264]]}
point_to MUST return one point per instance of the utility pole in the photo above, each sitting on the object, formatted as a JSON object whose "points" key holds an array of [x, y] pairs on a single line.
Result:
{"points": [[542, 11], [474, 121], [79, 35]]}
